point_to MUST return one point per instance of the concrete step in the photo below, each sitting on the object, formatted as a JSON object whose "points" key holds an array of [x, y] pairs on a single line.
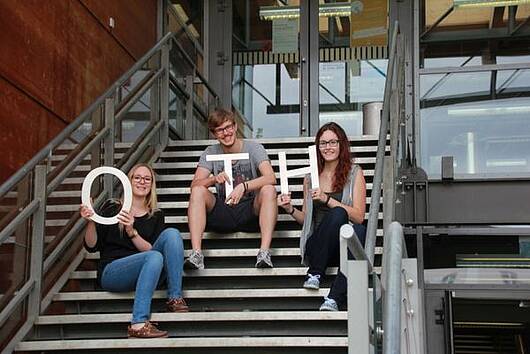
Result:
{"points": [[186, 343], [224, 272], [184, 219], [161, 205], [271, 151], [196, 294], [197, 317], [290, 163]]}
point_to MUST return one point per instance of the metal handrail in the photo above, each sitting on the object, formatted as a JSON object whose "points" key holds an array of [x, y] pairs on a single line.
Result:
{"points": [[45, 151], [392, 300], [381, 146]]}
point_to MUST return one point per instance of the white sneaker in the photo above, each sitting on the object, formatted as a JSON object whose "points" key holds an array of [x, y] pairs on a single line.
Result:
{"points": [[195, 260], [312, 281], [329, 305]]}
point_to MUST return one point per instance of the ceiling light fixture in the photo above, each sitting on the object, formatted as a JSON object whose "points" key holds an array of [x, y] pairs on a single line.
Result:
{"points": [[338, 9], [488, 3]]}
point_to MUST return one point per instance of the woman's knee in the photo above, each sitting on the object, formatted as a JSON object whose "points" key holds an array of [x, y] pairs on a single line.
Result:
{"points": [[154, 259], [171, 234]]}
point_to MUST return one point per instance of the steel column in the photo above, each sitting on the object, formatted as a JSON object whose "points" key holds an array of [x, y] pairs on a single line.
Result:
{"points": [[309, 62]]}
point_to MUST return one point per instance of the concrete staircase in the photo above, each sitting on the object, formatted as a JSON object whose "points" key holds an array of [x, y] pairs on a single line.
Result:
{"points": [[236, 308]]}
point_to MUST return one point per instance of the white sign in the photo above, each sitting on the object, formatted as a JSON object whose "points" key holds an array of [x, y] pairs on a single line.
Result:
{"points": [[312, 169], [87, 185], [285, 35], [228, 158]]}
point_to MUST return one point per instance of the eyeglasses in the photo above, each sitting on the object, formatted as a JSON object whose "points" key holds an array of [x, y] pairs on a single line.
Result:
{"points": [[222, 131], [146, 179], [332, 143]]}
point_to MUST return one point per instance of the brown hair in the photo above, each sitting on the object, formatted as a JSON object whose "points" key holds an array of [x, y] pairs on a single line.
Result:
{"points": [[218, 117], [345, 159], [150, 199]]}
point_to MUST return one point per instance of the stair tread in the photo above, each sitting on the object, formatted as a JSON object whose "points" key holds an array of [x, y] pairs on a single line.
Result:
{"points": [[237, 272], [235, 252], [197, 316], [202, 342], [271, 151], [162, 205], [309, 140], [197, 294]]}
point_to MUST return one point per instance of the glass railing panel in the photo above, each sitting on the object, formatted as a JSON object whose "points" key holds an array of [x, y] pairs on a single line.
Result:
{"points": [[487, 139], [177, 110], [479, 276], [134, 121], [345, 87], [513, 81], [447, 87]]}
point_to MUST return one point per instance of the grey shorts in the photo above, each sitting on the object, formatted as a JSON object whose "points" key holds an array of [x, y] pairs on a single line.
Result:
{"points": [[225, 218]]}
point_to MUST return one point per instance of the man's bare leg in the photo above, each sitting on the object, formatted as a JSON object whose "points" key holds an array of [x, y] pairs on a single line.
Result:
{"points": [[266, 208], [201, 202]]}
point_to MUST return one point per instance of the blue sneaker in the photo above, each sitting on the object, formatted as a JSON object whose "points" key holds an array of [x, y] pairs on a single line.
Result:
{"points": [[329, 305], [312, 281]]}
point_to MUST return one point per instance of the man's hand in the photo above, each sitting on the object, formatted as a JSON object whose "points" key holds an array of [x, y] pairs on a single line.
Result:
{"points": [[222, 178], [235, 197]]}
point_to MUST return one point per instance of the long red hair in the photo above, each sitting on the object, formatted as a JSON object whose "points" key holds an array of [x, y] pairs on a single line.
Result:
{"points": [[345, 159]]}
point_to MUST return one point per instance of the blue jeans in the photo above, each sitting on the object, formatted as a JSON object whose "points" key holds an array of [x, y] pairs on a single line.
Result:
{"points": [[142, 271], [323, 250]]}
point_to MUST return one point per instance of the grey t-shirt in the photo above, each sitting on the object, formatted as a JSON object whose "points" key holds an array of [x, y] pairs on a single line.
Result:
{"points": [[242, 170]]}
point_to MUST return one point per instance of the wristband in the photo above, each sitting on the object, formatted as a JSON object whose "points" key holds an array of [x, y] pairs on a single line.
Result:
{"points": [[292, 211], [327, 201], [245, 186]]}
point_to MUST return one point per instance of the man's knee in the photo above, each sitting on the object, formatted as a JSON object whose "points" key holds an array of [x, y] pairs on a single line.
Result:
{"points": [[267, 192], [199, 192]]}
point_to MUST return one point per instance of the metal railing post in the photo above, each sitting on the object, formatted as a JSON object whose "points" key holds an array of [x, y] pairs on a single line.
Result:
{"points": [[164, 97], [108, 145], [412, 314], [371, 228], [358, 299], [392, 299], [37, 243]]}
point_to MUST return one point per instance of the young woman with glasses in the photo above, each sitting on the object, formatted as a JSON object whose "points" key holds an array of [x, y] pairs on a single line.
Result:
{"points": [[340, 199], [138, 252]]}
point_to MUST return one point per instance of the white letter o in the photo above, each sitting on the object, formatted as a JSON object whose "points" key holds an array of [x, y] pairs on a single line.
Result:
{"points": [[87, 185]]}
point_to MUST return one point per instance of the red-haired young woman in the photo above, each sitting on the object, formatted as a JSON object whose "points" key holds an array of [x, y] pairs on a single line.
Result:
{"points": [[340, 199]]}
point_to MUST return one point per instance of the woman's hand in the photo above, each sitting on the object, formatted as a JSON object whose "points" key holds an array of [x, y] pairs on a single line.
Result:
{"points": [[85, 212], [284, 201], [318, 195], [126, 219]]}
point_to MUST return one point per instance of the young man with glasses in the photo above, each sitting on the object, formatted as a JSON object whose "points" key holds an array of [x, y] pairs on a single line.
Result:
{"points": [[252, 203]]}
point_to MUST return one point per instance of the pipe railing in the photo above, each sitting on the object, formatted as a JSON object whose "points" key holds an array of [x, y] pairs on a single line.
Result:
{"points": [[392, 299], [371, 229]]}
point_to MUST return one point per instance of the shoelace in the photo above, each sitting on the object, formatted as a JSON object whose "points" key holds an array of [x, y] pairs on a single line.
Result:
{"points": [[313, 277]]}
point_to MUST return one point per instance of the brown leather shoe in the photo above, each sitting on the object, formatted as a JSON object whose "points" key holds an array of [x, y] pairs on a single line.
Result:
{"points": [[177, 305], [149, 330]]}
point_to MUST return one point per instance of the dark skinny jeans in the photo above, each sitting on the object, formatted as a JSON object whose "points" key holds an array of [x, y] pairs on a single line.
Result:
{"points": [[322, 250]]}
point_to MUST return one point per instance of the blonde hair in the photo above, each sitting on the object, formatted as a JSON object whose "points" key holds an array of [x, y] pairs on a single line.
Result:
{"points": [[150, 200]]}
